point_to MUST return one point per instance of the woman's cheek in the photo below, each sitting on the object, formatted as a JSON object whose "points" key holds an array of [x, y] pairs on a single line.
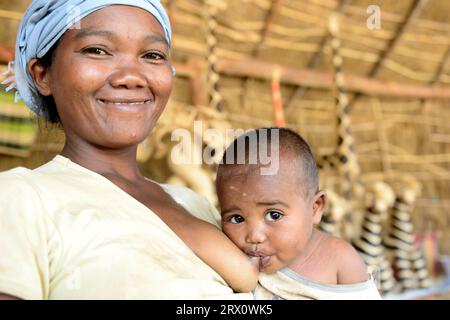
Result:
{"points": [[161, 79], [92, 75]]}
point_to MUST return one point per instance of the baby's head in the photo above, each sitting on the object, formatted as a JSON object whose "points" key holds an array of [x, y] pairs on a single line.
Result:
{"points": [[270, 216]]}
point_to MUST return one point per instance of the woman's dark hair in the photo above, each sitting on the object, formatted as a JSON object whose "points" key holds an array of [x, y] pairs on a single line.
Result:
{"points": [[50, 105]]}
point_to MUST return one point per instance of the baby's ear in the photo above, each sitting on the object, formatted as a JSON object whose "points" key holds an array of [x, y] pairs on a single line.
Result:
{"points": [[319, 204], [40, 76]]}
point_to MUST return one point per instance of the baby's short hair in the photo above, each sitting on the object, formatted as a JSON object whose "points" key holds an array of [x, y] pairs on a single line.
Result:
{"points": [[290, 143]]}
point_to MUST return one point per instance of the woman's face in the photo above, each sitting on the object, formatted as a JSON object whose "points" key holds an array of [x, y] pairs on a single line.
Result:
{"points": [[111, 78]]}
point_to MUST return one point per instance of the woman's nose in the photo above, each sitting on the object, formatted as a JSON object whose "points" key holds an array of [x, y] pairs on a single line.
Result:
{"points": [[255, 234], [128, 77]]}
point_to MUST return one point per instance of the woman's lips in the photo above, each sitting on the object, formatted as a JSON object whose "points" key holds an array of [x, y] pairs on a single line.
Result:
{"points": [[125, 105], [136, 101]]}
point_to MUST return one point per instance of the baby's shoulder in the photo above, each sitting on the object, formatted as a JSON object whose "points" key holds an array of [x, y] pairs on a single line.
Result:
{"points": [[338, 246], [349, 264]]}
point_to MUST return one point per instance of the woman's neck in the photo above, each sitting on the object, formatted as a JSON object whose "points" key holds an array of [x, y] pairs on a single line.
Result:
{"points": [[107, 162]]}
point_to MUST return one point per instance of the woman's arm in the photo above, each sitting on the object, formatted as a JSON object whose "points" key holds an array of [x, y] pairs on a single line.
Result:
{"points": [[212, 246], [7, 297], [24, 267]]}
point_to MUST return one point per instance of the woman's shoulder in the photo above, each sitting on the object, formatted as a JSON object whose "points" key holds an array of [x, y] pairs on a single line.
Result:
{"points": [[24, 176], [22, 173], [196, 204], [19, 185], [19, 194], [24, 183], [16, 177]]}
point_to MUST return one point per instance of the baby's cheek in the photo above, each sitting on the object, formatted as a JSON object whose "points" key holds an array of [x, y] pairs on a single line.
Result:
{"points": [[287, 251], [279, 263], [233, 234]]}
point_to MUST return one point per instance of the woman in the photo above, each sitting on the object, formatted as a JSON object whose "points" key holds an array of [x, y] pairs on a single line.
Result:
{"points": [[88, 225]]}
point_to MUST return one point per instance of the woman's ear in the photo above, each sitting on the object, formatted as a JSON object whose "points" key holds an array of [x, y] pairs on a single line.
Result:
{"points": [[41, 77], [319, 204]]}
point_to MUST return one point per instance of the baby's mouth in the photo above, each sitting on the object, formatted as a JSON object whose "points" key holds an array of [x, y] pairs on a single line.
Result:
{"points": [[264, 261], [258, 260]]}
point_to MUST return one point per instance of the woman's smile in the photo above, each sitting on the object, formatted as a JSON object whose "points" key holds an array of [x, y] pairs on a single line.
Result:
{"points": [[124, 105]]}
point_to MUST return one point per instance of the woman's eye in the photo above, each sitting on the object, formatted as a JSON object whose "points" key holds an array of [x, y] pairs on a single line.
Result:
{"points": [[236, 219], [95, 51], [154, 56], [273, 215]]}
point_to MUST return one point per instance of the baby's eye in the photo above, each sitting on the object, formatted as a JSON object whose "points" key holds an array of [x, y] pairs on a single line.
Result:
{"points": [[236, 219], [95, 51], [273, 215]]}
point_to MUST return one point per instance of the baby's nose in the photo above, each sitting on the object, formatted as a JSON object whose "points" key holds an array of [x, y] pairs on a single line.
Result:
{"points": [[256, 235]]}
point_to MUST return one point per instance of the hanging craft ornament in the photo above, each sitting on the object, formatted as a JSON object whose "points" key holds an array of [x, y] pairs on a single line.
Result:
{"points": [[18, 128], [346, 158], [10, 80], [369, 243], [211, 11]]}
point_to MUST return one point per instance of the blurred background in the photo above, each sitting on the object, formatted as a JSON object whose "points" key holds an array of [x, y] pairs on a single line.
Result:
{"points": [[365, 82]]}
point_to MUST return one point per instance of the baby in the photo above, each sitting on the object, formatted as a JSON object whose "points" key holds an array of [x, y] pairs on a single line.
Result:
{"points": [[271, 217]]}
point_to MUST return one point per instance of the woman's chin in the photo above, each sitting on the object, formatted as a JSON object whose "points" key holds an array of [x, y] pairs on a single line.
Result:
{"points": [[122, 141], [128, 134]]}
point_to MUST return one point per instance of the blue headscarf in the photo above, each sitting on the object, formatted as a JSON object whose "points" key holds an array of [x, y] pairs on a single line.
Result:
{"points": [[45, 22]]}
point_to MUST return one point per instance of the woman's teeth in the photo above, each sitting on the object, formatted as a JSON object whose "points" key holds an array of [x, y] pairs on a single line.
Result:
{"points": [[123, 102]]}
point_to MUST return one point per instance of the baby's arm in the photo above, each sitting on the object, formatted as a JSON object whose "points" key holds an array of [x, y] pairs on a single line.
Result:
{"points": [[350, 266], [212, 246]]}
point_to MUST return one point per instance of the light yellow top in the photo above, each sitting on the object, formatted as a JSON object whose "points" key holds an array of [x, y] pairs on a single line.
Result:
{"points": [[286, 284], [69, 233]]}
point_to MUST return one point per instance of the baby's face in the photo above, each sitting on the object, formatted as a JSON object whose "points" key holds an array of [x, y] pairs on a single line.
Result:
{"points": [[266, 216]]}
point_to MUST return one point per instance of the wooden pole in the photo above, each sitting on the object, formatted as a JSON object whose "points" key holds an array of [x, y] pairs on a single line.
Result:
{"points": [[324, 80], [256, 53], [315, 60], [199, 90], [13, 15]]}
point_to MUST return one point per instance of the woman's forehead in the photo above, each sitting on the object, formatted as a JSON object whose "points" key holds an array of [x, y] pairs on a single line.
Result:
{"points": [[118, 18], [117, 23]]}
